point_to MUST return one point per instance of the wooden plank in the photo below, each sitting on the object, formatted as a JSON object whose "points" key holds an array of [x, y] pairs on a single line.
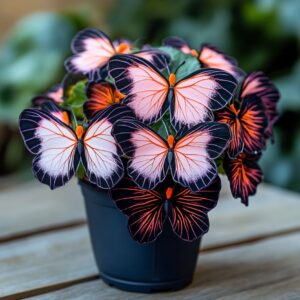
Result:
{"points": [[34, 206], [37, 207], [265, 270], [271, 210], [287, 289], [45, 260], [59, 259]]}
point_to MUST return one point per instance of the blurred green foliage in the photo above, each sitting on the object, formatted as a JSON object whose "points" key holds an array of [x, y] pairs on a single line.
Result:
{"points": [[262, 35], [31, 60]]}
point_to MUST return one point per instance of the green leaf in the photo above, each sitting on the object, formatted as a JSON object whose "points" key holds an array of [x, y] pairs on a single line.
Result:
{"points": [[80, 172], [76, 98], [160, 129], [191, 63], [164, 127], [219, 163]]}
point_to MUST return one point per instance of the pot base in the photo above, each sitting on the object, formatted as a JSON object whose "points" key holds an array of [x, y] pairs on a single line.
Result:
{"points": [[166, 264], [145, 287]]}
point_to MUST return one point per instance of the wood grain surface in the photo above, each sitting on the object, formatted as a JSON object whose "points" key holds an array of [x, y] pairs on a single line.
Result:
{"points": [[266, 270], [249, 253]]}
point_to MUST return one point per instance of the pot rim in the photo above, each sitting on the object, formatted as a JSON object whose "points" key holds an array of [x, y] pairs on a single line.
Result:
{"points": [[95, 188]]}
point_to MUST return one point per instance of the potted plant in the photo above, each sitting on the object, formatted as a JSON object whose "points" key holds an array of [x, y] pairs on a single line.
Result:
{"points": [[147, 131]]}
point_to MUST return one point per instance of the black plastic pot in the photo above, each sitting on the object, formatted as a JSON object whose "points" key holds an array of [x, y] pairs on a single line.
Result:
{"points": [[168, 263]]}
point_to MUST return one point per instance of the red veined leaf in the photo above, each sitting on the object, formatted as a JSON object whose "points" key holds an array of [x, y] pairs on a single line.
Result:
{"points": [[58, 149], [55, 94], [180, 44], [193, 165], [209, 56], [147, 210], [248, 124], [123, 46], [192, 99], [212, 57], [190, 158], [54, 145], [200, 93], [145, 87], [254, 122], [188, 211], [158, 58], [92, 49], [100, 157], [144, 208], [230, 115], [56, 111], [259, 84], [244, 175], [100, 95], [147, 152]]}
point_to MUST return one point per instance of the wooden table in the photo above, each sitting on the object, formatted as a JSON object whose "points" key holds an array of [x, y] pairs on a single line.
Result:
{"points": [[249, 253]]}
